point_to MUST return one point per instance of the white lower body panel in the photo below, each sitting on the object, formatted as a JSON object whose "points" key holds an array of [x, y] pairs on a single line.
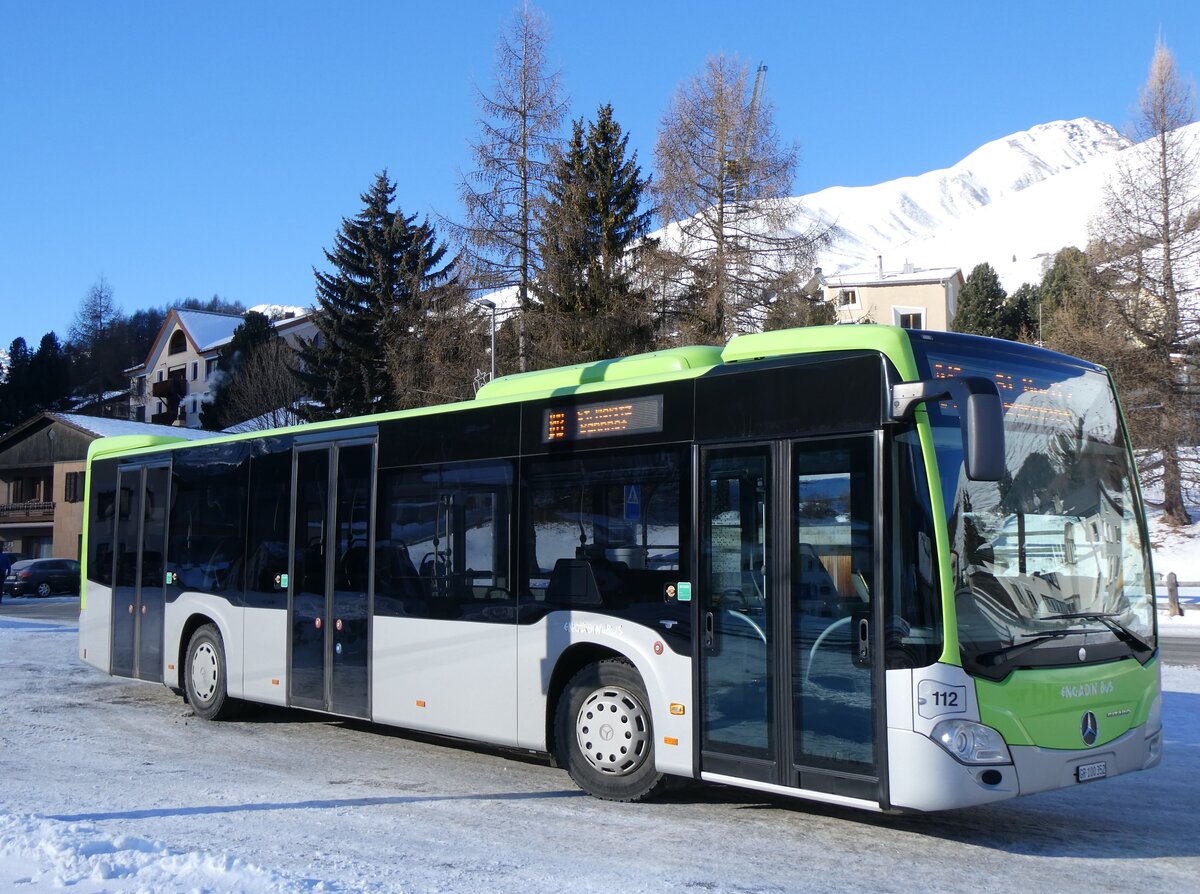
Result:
{"points": [[95, 626]]}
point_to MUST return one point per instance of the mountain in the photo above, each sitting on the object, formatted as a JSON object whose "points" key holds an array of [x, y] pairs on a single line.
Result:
{"points": [[1012, 203]]}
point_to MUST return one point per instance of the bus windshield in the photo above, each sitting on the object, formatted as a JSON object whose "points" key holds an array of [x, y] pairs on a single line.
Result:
{"points": [[1050, 564]]}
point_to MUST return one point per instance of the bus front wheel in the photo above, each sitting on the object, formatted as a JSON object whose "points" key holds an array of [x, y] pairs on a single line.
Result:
{"points": [[603, 733], [204, 675]]}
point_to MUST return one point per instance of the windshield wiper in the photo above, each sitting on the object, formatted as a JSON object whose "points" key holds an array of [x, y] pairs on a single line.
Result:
{"points": [[995, 656], [1108, 619]]}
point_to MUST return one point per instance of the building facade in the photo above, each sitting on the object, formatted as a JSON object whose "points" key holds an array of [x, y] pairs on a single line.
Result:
{"points": [[43, 479], [912, 298], [181, 368]]}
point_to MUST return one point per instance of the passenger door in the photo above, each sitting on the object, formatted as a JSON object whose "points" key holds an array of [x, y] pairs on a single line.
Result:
{"points": [[789, 659], [139, 564], [330, 573]]}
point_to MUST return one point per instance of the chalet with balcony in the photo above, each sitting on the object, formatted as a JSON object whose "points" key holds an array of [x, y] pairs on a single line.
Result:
{"points": [[43, 479], [181, 367]]}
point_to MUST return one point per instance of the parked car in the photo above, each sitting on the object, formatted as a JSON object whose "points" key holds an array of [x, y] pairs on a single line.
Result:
{"points": [[6, 562], [42, 577]]}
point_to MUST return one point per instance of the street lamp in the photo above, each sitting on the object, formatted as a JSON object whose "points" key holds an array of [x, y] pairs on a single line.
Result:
{"points": [[491, 305]]}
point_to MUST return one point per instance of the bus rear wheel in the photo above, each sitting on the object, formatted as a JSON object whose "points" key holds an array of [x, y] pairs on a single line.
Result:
{"points": [[603, 733], [204, 675]]}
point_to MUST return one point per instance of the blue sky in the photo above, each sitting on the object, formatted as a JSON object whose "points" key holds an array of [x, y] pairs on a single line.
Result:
{"points": [[185, 150]]}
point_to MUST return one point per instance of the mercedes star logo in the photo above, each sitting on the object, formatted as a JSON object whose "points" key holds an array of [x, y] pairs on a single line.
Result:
{"points": [[1089, 729]]}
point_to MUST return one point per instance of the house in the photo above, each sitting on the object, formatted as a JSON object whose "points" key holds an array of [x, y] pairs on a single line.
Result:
{"points": [[42, 479], [180, 369], [912, 297]]}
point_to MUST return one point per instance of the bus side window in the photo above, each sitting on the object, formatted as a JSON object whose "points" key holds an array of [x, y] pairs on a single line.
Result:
{"points": [[442, 544], [603, 532]]}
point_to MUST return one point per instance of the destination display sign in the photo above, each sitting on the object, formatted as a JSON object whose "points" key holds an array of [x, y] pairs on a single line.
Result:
{"points": [[619, 417]]}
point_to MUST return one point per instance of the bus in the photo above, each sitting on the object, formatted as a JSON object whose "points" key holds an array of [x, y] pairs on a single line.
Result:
{"points": [[875, 567]]}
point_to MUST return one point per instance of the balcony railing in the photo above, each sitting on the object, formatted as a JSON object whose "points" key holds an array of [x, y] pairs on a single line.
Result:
{"points": [[27, 512], [174, 386]]}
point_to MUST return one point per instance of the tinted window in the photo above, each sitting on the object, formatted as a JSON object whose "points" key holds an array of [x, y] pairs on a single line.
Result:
{"points": [[442, 542], [101, 509], [267, 542], [207, 530], [602, 532]]}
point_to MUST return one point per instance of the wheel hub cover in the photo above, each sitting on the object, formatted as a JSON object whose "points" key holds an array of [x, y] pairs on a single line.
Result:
{"points": [[204, 672], [613, 731]]}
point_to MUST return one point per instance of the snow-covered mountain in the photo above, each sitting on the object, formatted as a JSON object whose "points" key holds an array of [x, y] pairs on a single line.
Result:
{"points": [[1012, 202]]}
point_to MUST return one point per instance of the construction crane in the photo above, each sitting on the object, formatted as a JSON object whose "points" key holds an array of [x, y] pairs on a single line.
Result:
{"points": [[738, 169]]}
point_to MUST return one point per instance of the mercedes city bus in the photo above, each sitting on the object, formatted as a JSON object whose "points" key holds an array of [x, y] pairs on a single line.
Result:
{"points": [[891, 569]]}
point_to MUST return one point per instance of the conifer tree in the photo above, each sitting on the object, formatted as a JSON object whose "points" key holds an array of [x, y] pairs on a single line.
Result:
{"points": [[384, 268], [982, 304], [591, 233]]}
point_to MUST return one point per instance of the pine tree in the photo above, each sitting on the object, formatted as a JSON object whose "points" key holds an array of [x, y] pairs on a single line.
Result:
{"points": [[1021, 313], [14, 391], [982, 308], [1067, 274], [591, 235], [384, 269]]}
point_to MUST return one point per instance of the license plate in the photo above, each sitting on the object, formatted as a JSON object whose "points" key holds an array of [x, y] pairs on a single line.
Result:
{"points": [[1088, 772]]}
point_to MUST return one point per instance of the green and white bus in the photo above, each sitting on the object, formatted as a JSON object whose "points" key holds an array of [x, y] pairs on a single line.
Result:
{"points": [[890, 569]]}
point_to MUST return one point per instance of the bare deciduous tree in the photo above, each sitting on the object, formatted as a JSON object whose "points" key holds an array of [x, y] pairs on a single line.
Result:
{"points": [[723, 185], [433, 359], [1146, 253], [519, 126], [264, 391]]}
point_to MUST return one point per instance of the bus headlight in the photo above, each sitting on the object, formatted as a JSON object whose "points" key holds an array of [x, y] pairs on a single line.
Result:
{"points": [[971, 743]]}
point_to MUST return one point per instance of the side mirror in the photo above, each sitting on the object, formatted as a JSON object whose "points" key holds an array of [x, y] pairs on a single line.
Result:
{"points": [[981, 418]]}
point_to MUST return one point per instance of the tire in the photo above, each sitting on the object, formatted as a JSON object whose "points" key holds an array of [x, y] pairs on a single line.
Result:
{"points": [[204, 675], [44, 589], [603, 733]]}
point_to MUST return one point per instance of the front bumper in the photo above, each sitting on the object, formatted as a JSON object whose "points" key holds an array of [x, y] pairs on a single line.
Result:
{"points": [[1043, 769]]}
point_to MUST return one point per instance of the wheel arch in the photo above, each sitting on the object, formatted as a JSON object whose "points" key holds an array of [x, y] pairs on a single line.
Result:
{"points": [[574, 659]]}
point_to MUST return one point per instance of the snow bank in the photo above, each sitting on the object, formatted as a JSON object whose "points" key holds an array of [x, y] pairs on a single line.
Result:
{"points": [[37, 854]]}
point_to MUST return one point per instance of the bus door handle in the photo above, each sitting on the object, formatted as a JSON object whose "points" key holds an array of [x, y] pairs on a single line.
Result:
{"points": [[862, 642], [708, 629]]}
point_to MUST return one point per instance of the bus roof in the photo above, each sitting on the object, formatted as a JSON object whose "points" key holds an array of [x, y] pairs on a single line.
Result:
{"points": [[673, 364]]}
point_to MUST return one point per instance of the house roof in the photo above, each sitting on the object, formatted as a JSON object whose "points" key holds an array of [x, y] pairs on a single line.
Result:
{"points": [[77, 432], [206, 330], [899, 277], [280, 326], [111, 428]]}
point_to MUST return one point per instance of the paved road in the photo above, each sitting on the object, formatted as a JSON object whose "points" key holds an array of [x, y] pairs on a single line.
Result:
{"points": [[56, 608]]}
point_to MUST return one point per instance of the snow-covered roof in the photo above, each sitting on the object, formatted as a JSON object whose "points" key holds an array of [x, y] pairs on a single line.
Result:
{"points": [[91, 399], [111, 428], [209, 329], [903, 277], [278, 325]]}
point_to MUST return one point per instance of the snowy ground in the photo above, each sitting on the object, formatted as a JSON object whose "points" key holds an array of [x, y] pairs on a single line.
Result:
{"points": [[1177, 550], [108, 785], [112, 786]]}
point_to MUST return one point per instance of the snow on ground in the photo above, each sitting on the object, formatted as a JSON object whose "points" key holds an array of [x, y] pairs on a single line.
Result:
{"points": [[109, 785], [1176, 550]]}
